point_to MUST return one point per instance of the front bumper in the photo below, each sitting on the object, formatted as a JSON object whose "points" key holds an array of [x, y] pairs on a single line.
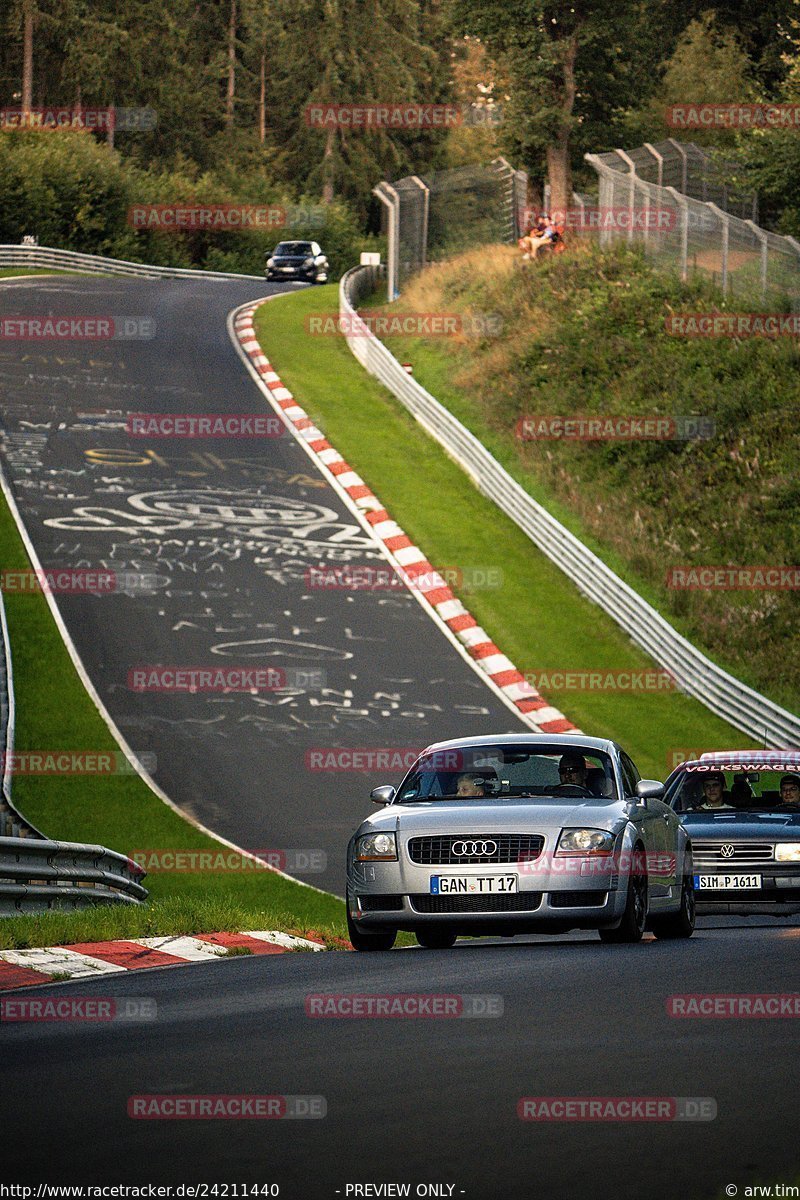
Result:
{"points": [[398, 895], [779, 894], [304, 274]]}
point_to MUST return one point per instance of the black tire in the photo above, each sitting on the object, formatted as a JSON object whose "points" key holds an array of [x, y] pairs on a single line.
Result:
{"points": [[634, 919], [383, 940], [435, 939], [681, 923]]}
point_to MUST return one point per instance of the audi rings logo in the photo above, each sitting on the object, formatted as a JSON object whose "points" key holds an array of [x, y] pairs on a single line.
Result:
{"points": [[474, 849], [727, 850]]}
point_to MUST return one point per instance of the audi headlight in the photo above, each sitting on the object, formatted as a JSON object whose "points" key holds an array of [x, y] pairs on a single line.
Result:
{"points": [[788, 852], [585, 841], [376, 847]]}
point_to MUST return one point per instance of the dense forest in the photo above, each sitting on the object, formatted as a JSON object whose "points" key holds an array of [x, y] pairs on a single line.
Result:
{"points": [[229, 85]]}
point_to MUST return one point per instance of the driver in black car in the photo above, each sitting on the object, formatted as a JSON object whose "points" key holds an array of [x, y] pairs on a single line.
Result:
{"points": [[572, 769], [790, 790]]}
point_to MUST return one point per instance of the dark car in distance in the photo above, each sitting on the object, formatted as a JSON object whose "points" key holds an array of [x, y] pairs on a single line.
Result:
{"points": [[304, 261], [741, 809]]}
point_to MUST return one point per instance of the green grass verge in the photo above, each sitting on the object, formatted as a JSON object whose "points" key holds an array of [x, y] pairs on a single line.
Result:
{"points": [[584, 333], [54, 711], [537, 617], [6, 272]]}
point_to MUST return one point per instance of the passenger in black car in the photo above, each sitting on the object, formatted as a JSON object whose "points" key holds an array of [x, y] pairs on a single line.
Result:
{"points": [[790, 790], [714, 792]]}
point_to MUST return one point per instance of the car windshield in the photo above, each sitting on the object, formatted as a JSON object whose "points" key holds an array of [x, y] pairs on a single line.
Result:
{"points": [[293, 248], [737, 786], [509, 771]]}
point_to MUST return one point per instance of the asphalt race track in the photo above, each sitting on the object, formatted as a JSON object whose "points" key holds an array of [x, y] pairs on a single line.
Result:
{"points": [[220, 537], [216, 537], [423, 1100]]}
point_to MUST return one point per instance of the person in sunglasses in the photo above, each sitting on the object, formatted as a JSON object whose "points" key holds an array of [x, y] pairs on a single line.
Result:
{"points": [[572, 769]]}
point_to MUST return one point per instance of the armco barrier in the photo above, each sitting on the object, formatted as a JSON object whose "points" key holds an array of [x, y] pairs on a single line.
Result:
{"points": [[37, 875], [695, 674], [39, 257]]}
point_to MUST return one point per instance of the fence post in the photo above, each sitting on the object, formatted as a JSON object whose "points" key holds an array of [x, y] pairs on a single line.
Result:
{"points": [[389, 197], [762, 237], [632, 199], [505, 168], [426, 203], [723, 216], [683, 205], [684, 161], [659, 159]]}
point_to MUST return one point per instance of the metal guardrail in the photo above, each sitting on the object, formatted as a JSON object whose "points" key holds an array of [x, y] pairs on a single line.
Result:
{"points": [[36, 875], [34, 257], [696, 675]]}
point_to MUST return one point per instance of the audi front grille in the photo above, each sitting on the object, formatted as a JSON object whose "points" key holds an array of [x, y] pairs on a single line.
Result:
{"points": [[508, 902], [457, 850], [717, 854]]}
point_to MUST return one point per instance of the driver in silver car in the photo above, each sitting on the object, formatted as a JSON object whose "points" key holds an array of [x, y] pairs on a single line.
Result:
{"points": [[470, 785], [572, 769]]}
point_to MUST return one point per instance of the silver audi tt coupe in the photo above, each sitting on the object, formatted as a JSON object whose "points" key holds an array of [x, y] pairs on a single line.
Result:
{"points": [[519, 833]]}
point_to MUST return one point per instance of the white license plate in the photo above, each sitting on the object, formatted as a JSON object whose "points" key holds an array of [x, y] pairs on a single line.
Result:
{"points": [[468, 885], [727, 883]]}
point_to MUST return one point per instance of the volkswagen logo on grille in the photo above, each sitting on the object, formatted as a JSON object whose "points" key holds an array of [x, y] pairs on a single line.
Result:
{"points": [[727, 850], [472, 849]]}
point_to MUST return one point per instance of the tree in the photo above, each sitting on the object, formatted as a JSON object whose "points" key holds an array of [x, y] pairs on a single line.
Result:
{"points": [[362, 53], [548, 51], [28, 10], [769, 158], [708, 66]]}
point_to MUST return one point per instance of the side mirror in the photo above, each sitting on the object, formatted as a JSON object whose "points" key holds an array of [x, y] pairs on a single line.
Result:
{"points": [[383, 795], [650, 789]]}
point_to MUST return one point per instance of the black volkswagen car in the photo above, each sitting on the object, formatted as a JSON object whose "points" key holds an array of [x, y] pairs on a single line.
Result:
{"points": [[297, 260], [742, 811]]}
